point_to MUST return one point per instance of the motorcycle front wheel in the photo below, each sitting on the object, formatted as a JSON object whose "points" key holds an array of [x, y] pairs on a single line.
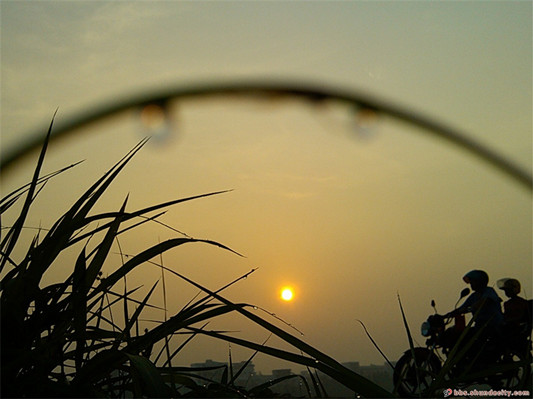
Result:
{"points": [[413, 375]]}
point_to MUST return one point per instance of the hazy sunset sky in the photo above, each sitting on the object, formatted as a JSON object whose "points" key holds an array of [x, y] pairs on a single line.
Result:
{"points": [[349, 218]]}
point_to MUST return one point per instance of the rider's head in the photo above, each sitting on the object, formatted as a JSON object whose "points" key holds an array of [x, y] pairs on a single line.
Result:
{"points": [[510, 286], [478, 279]]}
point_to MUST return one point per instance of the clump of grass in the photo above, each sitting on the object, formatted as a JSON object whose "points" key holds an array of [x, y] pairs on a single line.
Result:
{"points": [[56, 339], [61, 340]]}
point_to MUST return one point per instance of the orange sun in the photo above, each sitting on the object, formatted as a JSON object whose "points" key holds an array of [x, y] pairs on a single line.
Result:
{"points": [[287, 294]]}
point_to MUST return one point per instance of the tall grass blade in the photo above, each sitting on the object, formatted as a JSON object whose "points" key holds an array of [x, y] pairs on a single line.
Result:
{"points": [[102, 251], [8, 243], [177, 322], [145, 256], [79, 307], [17, 193], [140, 213]]}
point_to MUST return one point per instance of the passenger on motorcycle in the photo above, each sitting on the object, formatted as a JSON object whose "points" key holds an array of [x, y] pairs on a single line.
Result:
{"points": [[517, 314]]}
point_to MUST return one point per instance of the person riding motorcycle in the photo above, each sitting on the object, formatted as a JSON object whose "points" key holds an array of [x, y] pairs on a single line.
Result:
{"points": [[485, 306], [484, 303]]}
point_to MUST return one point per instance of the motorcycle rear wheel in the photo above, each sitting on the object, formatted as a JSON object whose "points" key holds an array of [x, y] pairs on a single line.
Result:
{"points": [[413, 376], [519, 377]]}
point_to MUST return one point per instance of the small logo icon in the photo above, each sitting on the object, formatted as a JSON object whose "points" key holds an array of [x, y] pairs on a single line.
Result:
{"points": [[447, 392]]}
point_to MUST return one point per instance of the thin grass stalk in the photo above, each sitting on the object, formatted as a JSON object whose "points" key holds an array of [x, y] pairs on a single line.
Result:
{"points": [[112, 322], [321, 385], [102, 251], [207, 298], [166, 343], [243, 367], [133, 318], [119, 297], [137, 333], [314, 383], [180, 347], [98, 321], [125, 298], [273, 315], [79, 307], [7, 201], [458, 351], [411, 343], [231, 378], [376, 346]]}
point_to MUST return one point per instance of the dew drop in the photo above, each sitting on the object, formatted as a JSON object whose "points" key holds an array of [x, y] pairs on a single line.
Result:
{"points": [[366, 122], [156, 121]]}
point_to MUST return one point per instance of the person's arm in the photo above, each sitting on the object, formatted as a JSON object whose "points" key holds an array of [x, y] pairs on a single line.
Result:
{"points": [[464, 308]]}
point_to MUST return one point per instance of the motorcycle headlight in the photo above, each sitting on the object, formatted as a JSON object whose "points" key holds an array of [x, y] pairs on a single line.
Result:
{"points": [[425, 329]]}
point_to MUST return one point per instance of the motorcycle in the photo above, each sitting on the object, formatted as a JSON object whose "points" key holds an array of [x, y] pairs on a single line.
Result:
{"points": [[456, 356]]}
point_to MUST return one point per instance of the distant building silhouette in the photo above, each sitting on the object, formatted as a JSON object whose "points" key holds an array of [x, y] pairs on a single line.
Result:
{"points": [[294, 387], [379, 374]]}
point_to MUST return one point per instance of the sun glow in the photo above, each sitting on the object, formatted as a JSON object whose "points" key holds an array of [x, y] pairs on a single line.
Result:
{"points": [[287, 294]]}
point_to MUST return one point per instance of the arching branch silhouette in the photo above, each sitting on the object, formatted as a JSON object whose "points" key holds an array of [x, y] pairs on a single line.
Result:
{"points": [[312, 93]]}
